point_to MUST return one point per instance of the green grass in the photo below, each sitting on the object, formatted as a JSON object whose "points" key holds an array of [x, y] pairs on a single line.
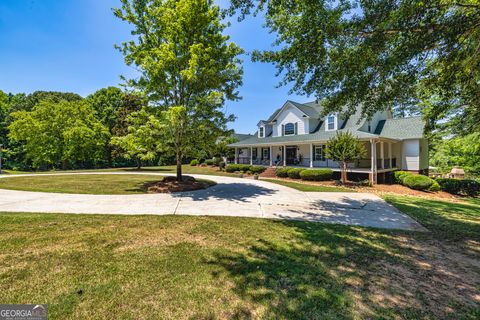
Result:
{"points": [[308, 187], [179, 267], [83, 183]]}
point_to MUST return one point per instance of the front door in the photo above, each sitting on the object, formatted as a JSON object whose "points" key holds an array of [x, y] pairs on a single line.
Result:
{"points": [[291, 155]]}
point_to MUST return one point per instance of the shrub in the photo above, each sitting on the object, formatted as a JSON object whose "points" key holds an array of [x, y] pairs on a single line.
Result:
{"points": [[221, 165], [466, 187], [316, 174], [294, 173], [244, 167], [216, 161], [417, 182], [194, 162], [209, 162], [434, 187], [257, 169], [232, 168], [282, 172], [399, 175]]}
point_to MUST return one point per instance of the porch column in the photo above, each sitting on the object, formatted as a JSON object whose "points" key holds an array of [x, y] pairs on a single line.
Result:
{"points": [[311, 155], [271, 156], [373, 173], [382, 164], [390, 155], [251, 155], [284, 156], [236, 156]]}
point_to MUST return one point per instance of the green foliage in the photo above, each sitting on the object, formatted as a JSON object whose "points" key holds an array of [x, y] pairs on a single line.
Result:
{"points": [[194, 162], [221, 165], [209, 162], [294, 173], [399, 175], [28, 102], [417, 181], [257, 169], [459, 186], [282, 172], [238, 167], [316, 174], [345, 148], [59, 133], [188, 69], [458, 151], [378, 54], [434, 187], [216, 160]]}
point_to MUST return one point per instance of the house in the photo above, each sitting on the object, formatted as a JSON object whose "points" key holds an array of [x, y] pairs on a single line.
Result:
{"points": [[296, 135]]}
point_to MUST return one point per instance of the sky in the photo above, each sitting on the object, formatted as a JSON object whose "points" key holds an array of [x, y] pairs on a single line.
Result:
{"points": [[68, 45]]}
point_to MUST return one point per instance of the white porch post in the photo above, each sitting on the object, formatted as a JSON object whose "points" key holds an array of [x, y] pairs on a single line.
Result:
{"points": [[382, 164], [236, 156], [390, 154], [251, 155], [284, 156], [271, 156], [373, 173], [311, 155]]}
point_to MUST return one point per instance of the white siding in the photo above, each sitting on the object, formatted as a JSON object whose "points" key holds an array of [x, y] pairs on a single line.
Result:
{"points": [[411, 155], [293, 115]]}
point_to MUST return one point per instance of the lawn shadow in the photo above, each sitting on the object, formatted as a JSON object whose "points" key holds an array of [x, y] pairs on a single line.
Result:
{"points": [[338, 272], [227, 191]]}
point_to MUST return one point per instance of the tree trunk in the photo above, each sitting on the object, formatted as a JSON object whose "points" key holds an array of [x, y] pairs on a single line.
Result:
{"points": [[139, 164], [64, 164], [344, 172], [179, 167], [109, 156]]}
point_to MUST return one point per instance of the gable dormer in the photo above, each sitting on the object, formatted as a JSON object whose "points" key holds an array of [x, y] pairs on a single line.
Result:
{"points": [[293, 119]]}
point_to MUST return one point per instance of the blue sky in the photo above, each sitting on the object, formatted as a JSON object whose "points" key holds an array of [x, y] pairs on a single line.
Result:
{"points": [[67, 45]]}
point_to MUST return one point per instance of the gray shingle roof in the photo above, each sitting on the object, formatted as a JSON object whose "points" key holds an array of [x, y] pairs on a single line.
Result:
{"points": [[403, 128]]}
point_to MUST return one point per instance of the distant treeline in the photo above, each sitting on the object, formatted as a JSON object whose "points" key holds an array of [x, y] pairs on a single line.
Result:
{"points": [[62, 130]]}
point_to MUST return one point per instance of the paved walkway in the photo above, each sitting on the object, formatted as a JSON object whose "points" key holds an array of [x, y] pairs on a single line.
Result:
{"points": [[230, 197]]}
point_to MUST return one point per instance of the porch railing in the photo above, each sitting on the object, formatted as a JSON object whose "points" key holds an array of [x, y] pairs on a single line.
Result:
{"points": [[327, 163]]}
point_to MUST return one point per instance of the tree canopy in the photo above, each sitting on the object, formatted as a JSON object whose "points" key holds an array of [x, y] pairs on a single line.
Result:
{"points": [[189, 68], [408, 54], [59, 133]]}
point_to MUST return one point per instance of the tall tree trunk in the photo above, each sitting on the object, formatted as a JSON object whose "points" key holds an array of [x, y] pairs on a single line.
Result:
{"points": [[64, 164], [109, 156], [179, 166], [139, 163], [344, 172]]}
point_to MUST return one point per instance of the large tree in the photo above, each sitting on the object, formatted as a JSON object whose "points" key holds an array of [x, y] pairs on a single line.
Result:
{"points": [[188, 68], [379, 54], [59, 133]]}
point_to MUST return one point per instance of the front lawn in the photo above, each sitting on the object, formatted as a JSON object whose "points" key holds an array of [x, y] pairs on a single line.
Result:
{"points": [[83, 183], [183, 267], [308, 187]]}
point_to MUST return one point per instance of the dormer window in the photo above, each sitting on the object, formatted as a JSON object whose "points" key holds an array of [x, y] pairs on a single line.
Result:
{"points": [[261, 132], [331, 122], [289, 129]]}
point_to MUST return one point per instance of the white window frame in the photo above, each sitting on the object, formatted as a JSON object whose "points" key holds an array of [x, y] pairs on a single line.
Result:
{"points": [[261, 132], [321, 148], [327, 123], [285, 129]]}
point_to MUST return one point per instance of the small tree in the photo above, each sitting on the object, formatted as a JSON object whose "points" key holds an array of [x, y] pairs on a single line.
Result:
{"points": [[345, 148]]}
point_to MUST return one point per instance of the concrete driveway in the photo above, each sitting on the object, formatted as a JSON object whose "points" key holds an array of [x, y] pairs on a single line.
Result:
{"points": [[230, 197]]}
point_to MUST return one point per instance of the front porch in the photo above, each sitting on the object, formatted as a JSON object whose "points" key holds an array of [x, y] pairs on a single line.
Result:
{"points": [[380, 157]]}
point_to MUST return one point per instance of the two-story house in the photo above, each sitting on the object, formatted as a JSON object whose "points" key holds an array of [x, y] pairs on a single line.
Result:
{"points": [[296, 135]]}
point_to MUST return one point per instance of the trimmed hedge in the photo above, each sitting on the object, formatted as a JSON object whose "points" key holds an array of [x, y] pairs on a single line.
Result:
{"points": [[399, 175], [417, 181], [194, 162], [316, 174], [282, 172], [294, 173], [209, 162], [466, 187], [244, 168], [435, 186]]}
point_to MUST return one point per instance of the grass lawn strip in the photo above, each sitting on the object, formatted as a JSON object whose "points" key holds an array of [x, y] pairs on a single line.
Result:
{"points": [[87, 266]]}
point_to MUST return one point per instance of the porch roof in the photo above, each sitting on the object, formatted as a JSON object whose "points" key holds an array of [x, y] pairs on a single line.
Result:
{"points": [[319, 136]]}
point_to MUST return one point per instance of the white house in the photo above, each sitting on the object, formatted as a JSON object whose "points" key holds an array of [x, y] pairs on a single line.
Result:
{"points": [[296, 135]]}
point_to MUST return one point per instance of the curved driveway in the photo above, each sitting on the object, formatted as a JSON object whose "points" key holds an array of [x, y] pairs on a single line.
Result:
{"points": [[230, 197]]}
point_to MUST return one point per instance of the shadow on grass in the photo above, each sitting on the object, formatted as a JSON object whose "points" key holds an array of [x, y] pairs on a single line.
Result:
{"points": [[328, 272]]}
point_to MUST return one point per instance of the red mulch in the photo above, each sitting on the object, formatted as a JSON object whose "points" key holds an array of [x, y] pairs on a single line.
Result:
{"points": [[170, 184]]}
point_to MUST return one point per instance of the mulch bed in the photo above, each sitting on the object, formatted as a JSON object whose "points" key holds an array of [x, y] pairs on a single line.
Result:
{"points": [[170, 184]]}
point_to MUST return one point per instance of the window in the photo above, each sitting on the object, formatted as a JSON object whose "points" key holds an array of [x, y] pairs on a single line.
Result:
{"points": [[254, 153], [266, 153], [319, 153], [261, 132], [289, 129], [331, 122]]}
